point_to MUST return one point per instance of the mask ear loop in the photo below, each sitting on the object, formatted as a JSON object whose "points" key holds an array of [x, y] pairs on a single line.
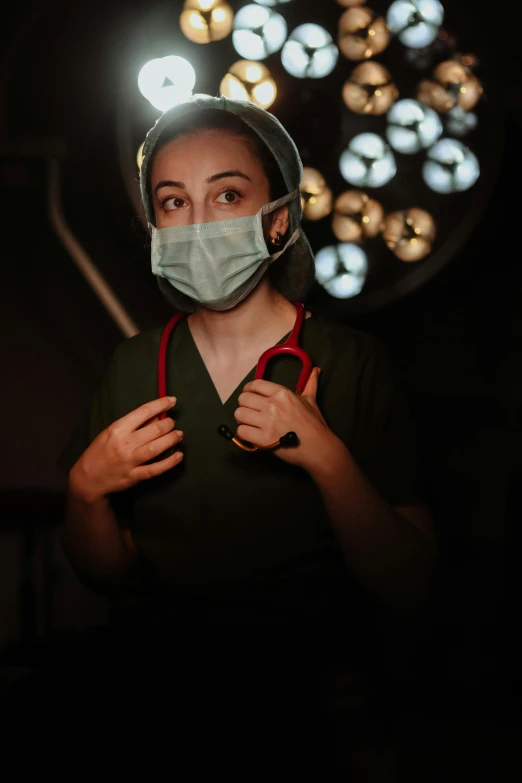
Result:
{"points": [[277, 243]]}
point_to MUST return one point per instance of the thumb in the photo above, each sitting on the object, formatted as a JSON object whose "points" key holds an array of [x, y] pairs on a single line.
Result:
{"points": [[310, 390]]}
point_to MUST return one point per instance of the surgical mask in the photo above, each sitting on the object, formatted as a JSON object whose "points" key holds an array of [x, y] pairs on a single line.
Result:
{"points": [[217, 264]]}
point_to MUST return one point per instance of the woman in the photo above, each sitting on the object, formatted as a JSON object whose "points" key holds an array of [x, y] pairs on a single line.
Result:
{"points": [[275, 556]]}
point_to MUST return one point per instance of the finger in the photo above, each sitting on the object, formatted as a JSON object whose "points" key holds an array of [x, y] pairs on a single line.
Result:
{"points": [[151, 431], [155, 447], [250, 400], [248, 416], [262, 387], [310, 390], [157, 468], [136, 418], [154, 418], [252, 434]]}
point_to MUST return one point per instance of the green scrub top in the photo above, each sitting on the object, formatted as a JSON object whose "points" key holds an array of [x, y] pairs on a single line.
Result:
{"points": [[230, 522]]}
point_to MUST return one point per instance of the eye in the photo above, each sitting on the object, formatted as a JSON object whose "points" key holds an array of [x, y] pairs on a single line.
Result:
{"points": [[229, 196], [170, 204]]}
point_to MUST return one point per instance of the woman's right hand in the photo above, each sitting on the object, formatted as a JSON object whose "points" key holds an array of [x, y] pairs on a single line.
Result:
{"points": [[116, 458]]}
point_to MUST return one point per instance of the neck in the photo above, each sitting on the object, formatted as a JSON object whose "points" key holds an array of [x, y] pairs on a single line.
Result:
{"points": [[264, 316]]}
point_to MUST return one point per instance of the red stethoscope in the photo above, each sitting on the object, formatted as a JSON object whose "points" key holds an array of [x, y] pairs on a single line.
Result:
{"points": [[289, 348]]}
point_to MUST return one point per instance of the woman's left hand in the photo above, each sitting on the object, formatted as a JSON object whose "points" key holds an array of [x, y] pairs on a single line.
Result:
{"points": [[267, 411]]}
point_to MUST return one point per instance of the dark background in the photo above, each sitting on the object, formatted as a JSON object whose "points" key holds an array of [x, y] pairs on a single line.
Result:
{"points": [[457, 340]]}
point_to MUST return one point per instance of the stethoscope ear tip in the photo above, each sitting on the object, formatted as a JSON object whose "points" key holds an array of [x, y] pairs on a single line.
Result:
{"points": [[290, 439], [225, 432]]}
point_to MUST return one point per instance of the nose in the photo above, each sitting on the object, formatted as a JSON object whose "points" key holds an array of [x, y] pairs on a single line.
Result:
{"points": [[200, 212]]}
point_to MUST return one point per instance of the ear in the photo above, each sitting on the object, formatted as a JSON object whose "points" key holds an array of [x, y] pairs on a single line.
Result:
{"points": [[280, 222]]}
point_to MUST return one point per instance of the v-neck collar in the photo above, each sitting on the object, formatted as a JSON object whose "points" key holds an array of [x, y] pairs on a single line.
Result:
{"points": [[248, 377]]}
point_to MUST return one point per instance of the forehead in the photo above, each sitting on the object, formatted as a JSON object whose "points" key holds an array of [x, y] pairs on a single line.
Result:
{"points": [[204, 153]]}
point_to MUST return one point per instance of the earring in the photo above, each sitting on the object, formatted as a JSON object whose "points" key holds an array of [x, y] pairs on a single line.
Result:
{"points": [[276, 241]]}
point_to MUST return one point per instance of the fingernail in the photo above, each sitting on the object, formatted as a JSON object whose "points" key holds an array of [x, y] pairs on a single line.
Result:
{"points": [[173, 400], [179, 433]]}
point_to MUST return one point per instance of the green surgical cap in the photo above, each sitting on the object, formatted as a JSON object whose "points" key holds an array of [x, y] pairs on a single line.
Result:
{"points": [[297, 276]]}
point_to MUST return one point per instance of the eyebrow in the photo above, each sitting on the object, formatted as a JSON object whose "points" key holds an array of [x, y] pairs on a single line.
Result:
{"points": [[230, 173], [170, 183]]}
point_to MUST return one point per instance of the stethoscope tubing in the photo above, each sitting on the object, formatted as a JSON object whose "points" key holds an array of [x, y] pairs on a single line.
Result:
{"points": [[290, 348]]}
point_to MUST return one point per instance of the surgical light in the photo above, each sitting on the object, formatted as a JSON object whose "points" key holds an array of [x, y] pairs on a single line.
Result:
{"points": [[309, 52], [167, 81], [341, 269], [450, 166], [203, 21], [316, 196], [415, 22], [409, 233], [370, 89], [367, 161], [258, 32], [249, 80], [460, 122], [356, 216], [139, 155], [362, 33], [412, 127], [453, 84]]}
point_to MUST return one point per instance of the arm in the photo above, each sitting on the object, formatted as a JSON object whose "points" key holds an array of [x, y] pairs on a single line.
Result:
{"points": [[391, 551], [390, 548], [98, 549]]}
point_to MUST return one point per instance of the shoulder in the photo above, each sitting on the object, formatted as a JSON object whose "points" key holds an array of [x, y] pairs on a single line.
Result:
{"points": [[131, 375], [347, 344], [135, 350]]}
